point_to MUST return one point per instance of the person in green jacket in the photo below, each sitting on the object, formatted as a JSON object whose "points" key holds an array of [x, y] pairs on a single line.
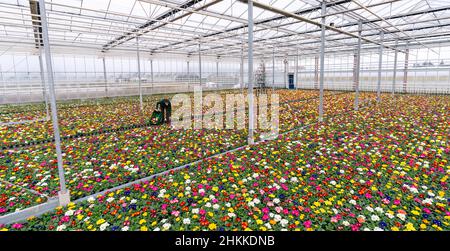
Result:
{"points": [[166, 109]]}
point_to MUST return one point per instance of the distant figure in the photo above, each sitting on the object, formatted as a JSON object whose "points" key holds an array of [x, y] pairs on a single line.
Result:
{"points": [[166, 109]]}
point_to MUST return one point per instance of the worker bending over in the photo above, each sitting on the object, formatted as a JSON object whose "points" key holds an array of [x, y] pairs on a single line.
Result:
{"points": [[166, 109]]}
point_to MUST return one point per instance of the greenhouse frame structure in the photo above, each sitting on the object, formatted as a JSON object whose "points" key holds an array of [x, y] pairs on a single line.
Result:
{"points": [[237, 33]]}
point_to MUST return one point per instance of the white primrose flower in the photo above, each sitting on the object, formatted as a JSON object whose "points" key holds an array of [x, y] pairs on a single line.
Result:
{"points": [[375, 218], [69, 213], [104, 226]]}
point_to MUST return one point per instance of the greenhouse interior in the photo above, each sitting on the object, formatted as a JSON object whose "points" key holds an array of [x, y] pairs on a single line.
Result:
{"points": [[224, 115]]}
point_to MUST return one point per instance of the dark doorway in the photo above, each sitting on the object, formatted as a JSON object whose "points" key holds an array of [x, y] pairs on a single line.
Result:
{"points": [[291, 81]]}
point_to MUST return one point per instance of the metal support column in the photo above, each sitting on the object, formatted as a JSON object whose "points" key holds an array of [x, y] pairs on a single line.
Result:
{"points": [[358, 67], [250, 73], [44, 85], [105, 78], [394, 79], [241, 67], [217, 68], [286, 72], [380, 66], [273, 67], [405, 72], [316, 72], [296, 70], [200, 63], [64, 194], [322, 61], [151, 74], [139, 74], [188, 70]]}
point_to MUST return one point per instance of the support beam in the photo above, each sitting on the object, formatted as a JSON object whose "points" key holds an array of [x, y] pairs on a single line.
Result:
{"points": [[250, 74], [187, 64], [380, 67], [310, 21], [394, 77], [358, 67], [36, 21], [144, 28], [322, 61], [64, 194], [141, 103], [268, 20], [105, 78], [44, 85], [405, 71]]}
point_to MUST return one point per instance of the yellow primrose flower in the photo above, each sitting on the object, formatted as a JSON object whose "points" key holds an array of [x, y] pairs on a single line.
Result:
{"points": [[144, 228], [101, 221], [212, 226], [410, 227], [142, 222]]}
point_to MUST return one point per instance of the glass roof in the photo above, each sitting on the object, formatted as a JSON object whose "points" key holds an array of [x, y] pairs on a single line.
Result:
{"points": [[178, 26]]}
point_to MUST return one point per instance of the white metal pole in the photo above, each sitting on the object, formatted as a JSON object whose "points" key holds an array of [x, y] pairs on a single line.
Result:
{"points": [[405, 72], [316, 72], [151, 73], [380, 66], [64, 194], [322, 61], [285, 72], [217, 68], [44, 85], [139, 74], [200, 62], [242, 66], [105, 78], [394, 80], [296, 70], [250, 73], [273, 67], [358, 66]]}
